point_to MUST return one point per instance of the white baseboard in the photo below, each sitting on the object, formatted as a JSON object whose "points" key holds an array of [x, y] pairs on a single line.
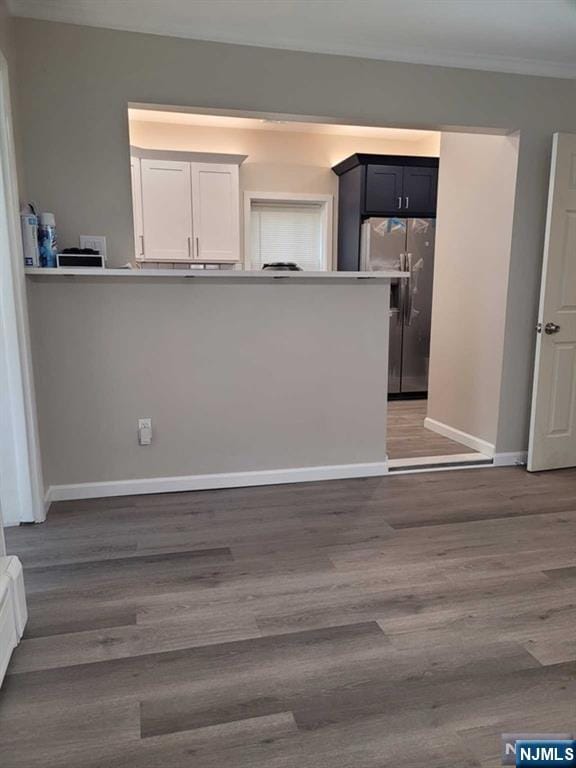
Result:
{"points": [[511, 459], [460, 437], [214, 481]]}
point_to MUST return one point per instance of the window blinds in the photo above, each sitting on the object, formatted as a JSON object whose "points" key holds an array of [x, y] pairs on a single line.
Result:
{"points": [[285, 231]]}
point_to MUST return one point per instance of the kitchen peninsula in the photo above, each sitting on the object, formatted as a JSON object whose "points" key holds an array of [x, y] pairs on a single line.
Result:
{"points": [[249, 378]]}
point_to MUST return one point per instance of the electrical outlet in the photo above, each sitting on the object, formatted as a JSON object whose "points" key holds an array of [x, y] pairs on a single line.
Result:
{"points": [[144, 431], [96, 242]]}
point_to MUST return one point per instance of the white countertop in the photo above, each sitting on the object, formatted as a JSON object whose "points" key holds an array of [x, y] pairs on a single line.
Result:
{"points": [[211, 274]]}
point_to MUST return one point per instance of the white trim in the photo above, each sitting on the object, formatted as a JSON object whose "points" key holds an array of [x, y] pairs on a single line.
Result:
{"points": [[439, 468], [482, 446], [511, 459], [141, 153], [214, 481], [419, 461], [327, 203], [21, 455]]}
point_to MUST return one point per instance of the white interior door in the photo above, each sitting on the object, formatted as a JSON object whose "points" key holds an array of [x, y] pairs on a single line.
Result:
{"points": [[215, 191], [137, 206], [553, 421], [167, 210]]}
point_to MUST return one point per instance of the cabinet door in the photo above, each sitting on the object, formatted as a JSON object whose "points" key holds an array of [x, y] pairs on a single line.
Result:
{"points": [[419, 192], [384, 184], [137, 206], [215, 205], [167, 210]]}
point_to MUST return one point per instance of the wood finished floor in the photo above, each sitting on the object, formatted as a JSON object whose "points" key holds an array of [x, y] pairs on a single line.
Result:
{"points": [[408, 438], [394, 622]]}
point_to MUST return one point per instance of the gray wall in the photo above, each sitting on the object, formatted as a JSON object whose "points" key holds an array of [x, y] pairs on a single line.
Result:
{"points": [[472, 261], [230, 374], [75, 84]]}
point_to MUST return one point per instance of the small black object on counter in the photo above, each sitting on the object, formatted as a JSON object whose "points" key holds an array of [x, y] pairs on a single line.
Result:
{"points": [[83, 251], [283, 266]]}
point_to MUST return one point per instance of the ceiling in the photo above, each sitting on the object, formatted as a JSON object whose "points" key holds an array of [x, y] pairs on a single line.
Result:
{"points": [[523, 36], [259, 124]]}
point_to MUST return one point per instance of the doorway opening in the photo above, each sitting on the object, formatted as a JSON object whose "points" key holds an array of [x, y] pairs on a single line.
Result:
{"points": [[466, 289], [434, 204]]}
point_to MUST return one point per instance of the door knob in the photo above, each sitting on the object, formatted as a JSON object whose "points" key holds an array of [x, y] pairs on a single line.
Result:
{"points": [[551, 328]]}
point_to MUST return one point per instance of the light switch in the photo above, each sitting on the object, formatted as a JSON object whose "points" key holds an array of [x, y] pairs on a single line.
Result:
{"points": [[144, 431]]}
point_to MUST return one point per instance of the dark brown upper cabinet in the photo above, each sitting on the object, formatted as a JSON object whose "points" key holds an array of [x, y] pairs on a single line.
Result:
{"points": [[381, 185], [419, 190], [384, 188]]}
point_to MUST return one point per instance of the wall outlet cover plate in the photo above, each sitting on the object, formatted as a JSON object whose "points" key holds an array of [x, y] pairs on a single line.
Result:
{"points": [[96, 242]]}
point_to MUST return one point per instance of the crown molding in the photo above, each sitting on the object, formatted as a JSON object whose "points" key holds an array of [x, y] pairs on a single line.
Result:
{"points": [[32, 9]]}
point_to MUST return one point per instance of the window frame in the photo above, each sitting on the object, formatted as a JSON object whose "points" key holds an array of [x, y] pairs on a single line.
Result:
{"points": [[326, 203]]}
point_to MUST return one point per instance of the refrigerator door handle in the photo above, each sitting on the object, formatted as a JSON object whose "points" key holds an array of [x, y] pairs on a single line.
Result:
{"points": [[408, 293], [365, 247], [402, 291]]}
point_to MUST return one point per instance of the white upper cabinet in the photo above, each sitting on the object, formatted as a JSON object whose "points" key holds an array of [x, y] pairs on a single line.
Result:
{"points": [[215, 208], [135, 171], [186, 211], [166, 210]]}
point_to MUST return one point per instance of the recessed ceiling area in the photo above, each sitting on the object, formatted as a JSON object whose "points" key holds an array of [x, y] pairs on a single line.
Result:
{"points": [[522, 36], [263, 124]]}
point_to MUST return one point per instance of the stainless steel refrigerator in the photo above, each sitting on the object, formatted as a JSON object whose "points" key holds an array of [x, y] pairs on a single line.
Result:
{"points": [[408, 246]]}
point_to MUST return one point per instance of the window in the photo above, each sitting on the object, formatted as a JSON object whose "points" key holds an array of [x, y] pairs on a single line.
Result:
{"points": [[296, 229]]}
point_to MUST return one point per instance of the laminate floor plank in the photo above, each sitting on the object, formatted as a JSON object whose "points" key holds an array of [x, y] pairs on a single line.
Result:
{"points": [[137, 577], [335, 690], [78, 648], [63, 729], [48, 618], [176, 670], [275, 742], [366, 623], [431, 604], [567, 574], [407, 437]]}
